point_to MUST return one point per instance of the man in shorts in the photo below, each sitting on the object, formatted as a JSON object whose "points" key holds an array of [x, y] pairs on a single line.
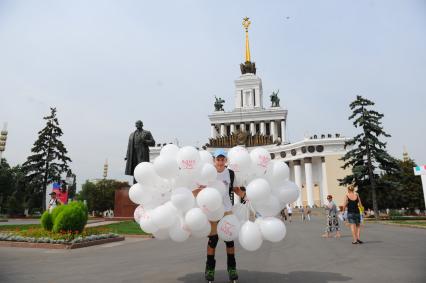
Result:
{"points": [[227, 176]]}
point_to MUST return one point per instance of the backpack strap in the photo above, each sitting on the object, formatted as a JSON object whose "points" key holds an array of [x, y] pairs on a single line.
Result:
{"points": [[231, 185]]}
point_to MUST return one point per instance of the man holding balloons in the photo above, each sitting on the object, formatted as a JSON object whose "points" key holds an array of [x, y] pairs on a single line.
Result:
{"points": [[227, 177]]}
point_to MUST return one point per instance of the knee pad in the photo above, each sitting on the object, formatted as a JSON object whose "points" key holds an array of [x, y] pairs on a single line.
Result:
{"points": [[213, 241], [229, 244]]}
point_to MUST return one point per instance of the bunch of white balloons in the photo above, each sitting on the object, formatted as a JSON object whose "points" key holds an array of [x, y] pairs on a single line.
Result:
{"points": [[168, 209]]}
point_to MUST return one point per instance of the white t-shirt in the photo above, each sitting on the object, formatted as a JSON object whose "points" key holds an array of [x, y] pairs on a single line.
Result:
{"points": [[289, 209], [225, 177], [52, 204]]}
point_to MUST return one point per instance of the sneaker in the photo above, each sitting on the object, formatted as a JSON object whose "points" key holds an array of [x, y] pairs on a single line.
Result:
{"points": [[209, 273], [232, 273], [359, 241]]}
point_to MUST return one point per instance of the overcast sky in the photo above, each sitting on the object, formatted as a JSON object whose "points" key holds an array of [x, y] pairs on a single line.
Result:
{"points": [[105, 64]]}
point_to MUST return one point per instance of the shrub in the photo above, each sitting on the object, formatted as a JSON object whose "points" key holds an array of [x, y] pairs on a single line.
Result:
{"points": [[56, 211], [73, 217], [46, 221]]}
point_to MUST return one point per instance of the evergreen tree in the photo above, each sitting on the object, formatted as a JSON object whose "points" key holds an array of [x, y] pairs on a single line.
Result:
{"points": [[49, 160], [368, 152]]}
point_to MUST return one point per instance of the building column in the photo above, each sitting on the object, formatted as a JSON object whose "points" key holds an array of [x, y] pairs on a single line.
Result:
{"points": [[324, 184], [252, 129], [222, 130], [283, 129], [262, 128], [213, 132], [273, 131], [232, 128], [298, 180], [243, 127], [309, 182]]}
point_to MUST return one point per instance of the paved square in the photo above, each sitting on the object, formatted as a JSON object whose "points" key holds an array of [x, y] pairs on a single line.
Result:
{"points": [[389, 254]]}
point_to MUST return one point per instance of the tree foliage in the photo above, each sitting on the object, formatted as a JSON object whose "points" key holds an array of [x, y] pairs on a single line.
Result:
{"points": [[368, 154], [49, 159], [100, 195]]}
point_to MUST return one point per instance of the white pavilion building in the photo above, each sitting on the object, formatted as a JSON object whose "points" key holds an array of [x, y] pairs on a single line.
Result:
{"points": [[314, 162]]}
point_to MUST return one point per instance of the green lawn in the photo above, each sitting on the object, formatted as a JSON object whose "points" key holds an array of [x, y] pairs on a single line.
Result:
{"points": [[125, 227], [410, 222], [19, 227]]}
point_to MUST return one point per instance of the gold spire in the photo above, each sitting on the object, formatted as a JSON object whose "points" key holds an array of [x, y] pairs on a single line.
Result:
{"points": [[246, 24]]}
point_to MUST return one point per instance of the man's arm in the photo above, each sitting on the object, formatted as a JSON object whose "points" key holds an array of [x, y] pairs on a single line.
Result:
{"points": [[240, 191], [149, 139]]}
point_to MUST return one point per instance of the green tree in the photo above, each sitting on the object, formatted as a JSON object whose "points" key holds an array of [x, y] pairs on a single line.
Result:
{"points": [[408, 192], [49, 159], [100, 195], [368, 152], [13, 195]]}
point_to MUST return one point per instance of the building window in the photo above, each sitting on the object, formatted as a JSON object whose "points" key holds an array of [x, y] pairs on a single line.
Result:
{"points": [[254, 97], [283, 154], [311, 149], [293, 152], [241, 98], [257, 128], [228, 130], [268, 132]]}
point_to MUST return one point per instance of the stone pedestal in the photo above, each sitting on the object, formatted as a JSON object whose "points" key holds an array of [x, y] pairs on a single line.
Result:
{"points": [[123, 206]]}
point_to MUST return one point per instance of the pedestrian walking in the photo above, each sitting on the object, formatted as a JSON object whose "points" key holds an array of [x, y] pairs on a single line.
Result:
{"points": [[352, 203], [332, 219]]}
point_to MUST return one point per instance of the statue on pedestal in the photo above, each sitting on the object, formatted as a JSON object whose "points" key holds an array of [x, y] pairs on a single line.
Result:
{"points": [[138, 148], [218, 104], [275, 100]]}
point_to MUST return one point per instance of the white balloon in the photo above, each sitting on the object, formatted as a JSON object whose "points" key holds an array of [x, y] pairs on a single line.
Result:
{"points": [[241, 211], [145, 174], [179, 232], [258, 190], [188, 159], [239, 160], [188, 178], [208, 174], [209, 199], [260, 158], [250, 236], [164, 216], [169, 150], [140, 194], [277, 172], [217, 214], [228, 228], [206, 157], [272, 229], [166, 166], [183, 199], [220, 186], [161, 234], [196, 219], [204, 232], [269, 207], [287, 193], [146, 223], [138, 213]]}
